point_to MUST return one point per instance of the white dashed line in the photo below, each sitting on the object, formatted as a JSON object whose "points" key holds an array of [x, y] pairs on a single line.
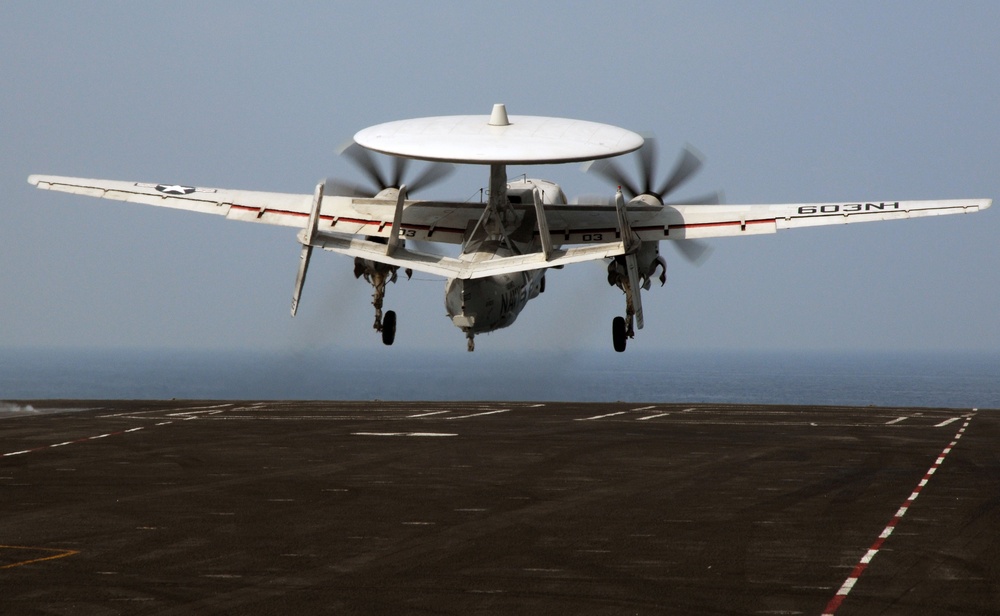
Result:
{"points": [[946, 422], [895, 421]]}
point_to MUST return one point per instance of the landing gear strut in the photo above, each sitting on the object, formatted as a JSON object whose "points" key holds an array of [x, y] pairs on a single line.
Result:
{"points": [[622, 328], [378, 275]]}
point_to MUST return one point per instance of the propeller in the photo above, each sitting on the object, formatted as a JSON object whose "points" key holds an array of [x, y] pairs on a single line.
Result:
{"points": [[688, 163], [365, 161], [649, 189]]}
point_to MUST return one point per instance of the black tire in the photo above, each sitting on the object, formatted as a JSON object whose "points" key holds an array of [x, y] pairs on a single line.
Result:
{"points": [[618, 333], [389, 328]]}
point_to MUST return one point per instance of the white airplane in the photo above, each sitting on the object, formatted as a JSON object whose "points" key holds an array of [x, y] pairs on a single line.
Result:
{"points": [[524, 228]]}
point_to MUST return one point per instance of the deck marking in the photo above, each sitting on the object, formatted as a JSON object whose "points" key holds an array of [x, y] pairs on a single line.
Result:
{"points": [[895, 421], [59, 554], [480, 414], [644, 408], [84, 439], [946, 422], [852, 579], [652, 416], [426, 414], [600, 416], [402, 434]]}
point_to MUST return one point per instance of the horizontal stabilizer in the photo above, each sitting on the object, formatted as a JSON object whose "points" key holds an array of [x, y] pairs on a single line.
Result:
{"points": [[450, 267]]}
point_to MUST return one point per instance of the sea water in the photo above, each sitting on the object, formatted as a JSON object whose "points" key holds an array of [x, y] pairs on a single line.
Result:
{"points": [[949, 380]]}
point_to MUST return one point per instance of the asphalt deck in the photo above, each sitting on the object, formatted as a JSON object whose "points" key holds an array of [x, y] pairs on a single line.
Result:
{"points": [[201, 507]]}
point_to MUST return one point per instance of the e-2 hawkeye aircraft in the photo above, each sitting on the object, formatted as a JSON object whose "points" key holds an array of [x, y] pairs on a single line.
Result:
{"points": [[522, 230]]}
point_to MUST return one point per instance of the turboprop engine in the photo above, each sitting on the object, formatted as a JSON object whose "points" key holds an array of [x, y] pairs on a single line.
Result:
{"points": [[649, 261], [635, 270]]}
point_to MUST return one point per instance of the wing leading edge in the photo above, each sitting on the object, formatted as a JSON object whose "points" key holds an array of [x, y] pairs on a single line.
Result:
{"points": [[594, 228]]}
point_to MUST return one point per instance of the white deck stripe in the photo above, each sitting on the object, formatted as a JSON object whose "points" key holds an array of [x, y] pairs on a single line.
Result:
{"points": [[480, 414], [600, 416], [652, 416]]}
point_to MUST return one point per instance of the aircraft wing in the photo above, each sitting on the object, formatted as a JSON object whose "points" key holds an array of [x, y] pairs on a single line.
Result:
{"points": [[596, 223], [593, 227], [423, 220]]}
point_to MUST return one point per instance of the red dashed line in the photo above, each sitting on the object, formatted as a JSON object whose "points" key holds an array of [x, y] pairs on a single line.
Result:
{"points": [[852, 579], [79, 440]]}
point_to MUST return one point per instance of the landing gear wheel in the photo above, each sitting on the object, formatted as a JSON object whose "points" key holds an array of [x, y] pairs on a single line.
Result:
{"points": [[389, 327], [618, 333]]}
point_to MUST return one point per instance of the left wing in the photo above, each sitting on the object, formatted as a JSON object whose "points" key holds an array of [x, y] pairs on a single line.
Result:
{"points": [[424, 220]]}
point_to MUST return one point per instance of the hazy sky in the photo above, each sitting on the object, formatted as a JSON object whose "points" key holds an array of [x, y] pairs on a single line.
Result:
{"points": [[789, 102]]}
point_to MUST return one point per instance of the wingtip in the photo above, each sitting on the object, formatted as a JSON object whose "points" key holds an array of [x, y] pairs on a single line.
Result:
{"points": [[34, 179]]}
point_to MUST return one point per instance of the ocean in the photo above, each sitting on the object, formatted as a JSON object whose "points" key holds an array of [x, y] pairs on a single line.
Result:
{"points": [[949, 380]]}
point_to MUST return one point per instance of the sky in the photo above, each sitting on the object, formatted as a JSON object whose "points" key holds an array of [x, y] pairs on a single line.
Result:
{"points": [[788, 102]]}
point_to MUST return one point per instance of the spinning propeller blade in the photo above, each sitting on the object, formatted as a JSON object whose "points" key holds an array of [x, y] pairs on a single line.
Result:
{"points": [[364, 160], [695, 251], [687, 165]]}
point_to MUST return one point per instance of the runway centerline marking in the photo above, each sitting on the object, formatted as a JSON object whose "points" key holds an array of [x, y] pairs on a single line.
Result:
{"points": [[852, 579]]}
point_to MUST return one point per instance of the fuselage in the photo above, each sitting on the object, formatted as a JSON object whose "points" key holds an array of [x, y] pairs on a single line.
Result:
{"points": [[481, 305]]}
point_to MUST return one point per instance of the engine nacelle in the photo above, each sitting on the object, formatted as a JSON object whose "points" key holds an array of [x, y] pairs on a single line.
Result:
{"points": [[648, 259]]}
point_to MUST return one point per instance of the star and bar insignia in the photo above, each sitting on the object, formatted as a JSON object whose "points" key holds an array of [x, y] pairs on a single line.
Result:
{"points": [[175, 189]]}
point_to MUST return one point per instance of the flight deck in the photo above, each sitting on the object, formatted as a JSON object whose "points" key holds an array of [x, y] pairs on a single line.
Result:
{"points": [[222, 507]]}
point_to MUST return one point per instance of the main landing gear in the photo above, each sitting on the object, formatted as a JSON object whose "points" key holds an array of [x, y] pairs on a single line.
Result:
{"points": [[623, 328], [378, 275], [389, 328]]}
